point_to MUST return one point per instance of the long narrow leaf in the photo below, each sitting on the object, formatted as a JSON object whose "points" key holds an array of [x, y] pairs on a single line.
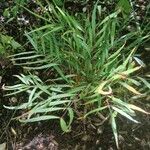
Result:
{"points": [[124, 114]]}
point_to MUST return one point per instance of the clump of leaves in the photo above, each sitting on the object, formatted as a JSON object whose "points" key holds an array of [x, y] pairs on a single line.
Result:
{"points": [[95, 62], [44, 102]]}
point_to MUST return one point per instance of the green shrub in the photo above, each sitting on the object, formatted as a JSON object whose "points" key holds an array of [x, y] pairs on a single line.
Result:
{"points": [[93, 65]]}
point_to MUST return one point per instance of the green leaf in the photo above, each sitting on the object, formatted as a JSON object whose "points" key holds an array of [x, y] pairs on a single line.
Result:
{"points": [[40, 118], [22, 53], [33, 43], [113, 31], [46, 110], [22, 106], [36, 14], [124, 114], [94, 19], [125, 6], [58, 2], [61, 73], [71, 116], [32, 93], [139, 61], [26, 57], [122, 103], [113, 15], [135, 82], [41, 67], [2, 49], [114, 128], [41, 28], [129, 71], [59, 102], [18, 91], [63, 125], [145, 82], [95, 110], [15, 44]]}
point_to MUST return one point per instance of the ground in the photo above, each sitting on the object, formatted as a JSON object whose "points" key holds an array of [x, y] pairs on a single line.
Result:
{"points": [[86, 134]]}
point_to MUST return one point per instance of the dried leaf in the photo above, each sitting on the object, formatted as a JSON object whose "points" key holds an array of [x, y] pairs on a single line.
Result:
{"points": [[138, 108], [101, 91], [130, 88]]}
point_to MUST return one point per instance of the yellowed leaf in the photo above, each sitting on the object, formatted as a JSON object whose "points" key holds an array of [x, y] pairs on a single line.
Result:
{"points": [[138, 108], [130, 88], [101, 91]]}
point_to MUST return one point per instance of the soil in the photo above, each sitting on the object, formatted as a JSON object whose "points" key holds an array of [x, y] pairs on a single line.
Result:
{"points": [[84, 135]]}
